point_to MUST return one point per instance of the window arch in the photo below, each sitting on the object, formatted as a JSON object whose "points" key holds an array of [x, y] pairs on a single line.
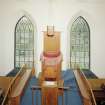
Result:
{"points": [[80, 44], [24, 43]]}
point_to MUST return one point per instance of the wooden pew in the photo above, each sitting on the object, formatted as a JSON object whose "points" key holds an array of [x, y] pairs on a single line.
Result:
{"points": [[98, 87], [4, 83], [1, 95], [85, 89], [19, 88], [96, 83], [16, 87]]}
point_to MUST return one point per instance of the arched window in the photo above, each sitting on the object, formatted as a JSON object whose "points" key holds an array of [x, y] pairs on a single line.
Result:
{"points": [[24, 43], [80, 44]]}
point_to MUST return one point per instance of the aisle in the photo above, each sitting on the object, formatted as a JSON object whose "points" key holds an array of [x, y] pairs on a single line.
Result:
{"points": [[72, 97]]}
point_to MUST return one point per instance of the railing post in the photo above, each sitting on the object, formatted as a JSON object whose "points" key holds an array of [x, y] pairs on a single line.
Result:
{"points": [[32, 97]]}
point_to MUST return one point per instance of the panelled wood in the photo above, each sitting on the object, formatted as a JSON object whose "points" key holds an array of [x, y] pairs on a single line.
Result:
{"points": [[51, 59], [52, 44], [49, 94], [96, 83], [6, 99], [98, 87], [85, 89], [4, 82], [19, 88]]}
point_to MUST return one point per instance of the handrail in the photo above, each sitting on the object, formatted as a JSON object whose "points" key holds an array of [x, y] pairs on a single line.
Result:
{"points": [[11, 86], [88, 87]]}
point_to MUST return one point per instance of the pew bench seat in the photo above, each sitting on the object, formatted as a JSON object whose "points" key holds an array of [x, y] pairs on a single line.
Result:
{"points": [[19, 88]]}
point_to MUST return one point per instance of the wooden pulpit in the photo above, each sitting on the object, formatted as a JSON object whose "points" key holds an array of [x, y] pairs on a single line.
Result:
{"points": [[49, 93], [50, 82]]}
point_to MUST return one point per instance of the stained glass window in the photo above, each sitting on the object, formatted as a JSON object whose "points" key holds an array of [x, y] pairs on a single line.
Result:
{"points": [[80, 44], [24, 42]]}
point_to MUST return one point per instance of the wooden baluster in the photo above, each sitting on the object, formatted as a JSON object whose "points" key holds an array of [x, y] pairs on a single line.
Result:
{"points": [[32, 97]]}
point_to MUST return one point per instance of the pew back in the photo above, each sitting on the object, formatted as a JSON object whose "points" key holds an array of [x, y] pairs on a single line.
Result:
{"points": [[85, 88], [12, 85]]}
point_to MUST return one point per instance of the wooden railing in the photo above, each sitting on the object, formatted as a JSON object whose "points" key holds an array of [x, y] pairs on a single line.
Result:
{"points": [[6, 100], [86, 87]]}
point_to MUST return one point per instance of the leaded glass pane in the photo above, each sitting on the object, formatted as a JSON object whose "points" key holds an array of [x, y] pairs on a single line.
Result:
{"points": [[80, 44], [24, 35]]}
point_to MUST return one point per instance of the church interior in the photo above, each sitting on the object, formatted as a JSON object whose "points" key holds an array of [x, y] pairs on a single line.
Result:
{"points": [[54, 57]]}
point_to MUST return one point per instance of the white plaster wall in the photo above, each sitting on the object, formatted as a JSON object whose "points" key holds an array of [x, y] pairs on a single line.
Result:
{"points": [[10, 12], [61, 13]]}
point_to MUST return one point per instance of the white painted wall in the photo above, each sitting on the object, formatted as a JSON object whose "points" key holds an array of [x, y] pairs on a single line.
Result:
{"points": [[61, 13]]}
